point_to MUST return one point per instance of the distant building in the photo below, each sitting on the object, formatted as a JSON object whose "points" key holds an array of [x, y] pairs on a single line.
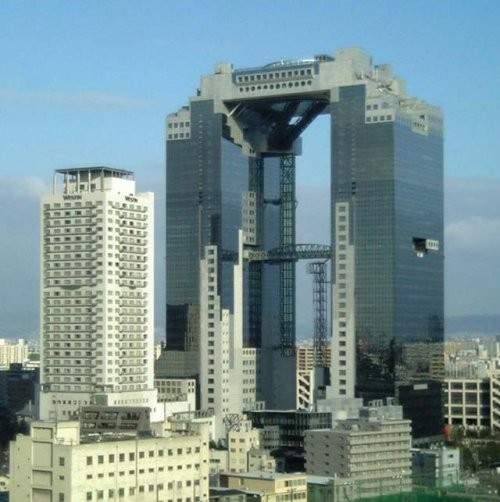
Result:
{"points": [[436, 468], [56, 463], [306, 354], [467, 402], [308, 376], [374, 448], [495, 397], [173, 389], [18, 387], [12, 352]]}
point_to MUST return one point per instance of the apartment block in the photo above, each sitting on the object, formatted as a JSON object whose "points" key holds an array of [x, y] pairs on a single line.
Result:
{"points": [[375, 449]]}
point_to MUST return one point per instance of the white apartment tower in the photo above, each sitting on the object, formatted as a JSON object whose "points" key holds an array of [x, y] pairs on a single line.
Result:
{"points": [[97, 340]]}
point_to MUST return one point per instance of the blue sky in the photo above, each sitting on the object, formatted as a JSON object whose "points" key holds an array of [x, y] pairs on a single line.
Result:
{"points": [[90, 82]]}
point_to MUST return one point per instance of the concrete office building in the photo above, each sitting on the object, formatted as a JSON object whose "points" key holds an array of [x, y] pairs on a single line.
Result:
{"points": [[467, 402], [96, 298], [57, 463], [231, 193], [375, 449]]}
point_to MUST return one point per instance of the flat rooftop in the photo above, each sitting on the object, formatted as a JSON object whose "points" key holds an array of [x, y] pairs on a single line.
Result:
{"points": [[107, 171]]}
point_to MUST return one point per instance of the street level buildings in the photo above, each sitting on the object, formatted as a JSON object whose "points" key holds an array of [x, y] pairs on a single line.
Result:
{"points": [[231, 245]]}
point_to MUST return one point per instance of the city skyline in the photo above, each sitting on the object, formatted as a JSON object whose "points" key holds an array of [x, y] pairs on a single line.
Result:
{"points": [[107, 106]]}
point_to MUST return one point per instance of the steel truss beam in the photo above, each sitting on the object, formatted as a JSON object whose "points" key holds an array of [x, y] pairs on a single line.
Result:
{"points": [[256, 185], [287, 268], [318, 271]]}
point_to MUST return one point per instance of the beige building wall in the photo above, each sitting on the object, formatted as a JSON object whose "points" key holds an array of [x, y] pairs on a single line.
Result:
{"points": [[55, 465], [275, 486], [239, 443]]}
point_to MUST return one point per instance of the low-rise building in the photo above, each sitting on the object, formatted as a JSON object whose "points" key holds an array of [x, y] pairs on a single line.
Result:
{"points": [[437, 468], [56, 463], [374, 449], [273, 486], [239, 442], [495, 397], [467, 402], [17, 387]]}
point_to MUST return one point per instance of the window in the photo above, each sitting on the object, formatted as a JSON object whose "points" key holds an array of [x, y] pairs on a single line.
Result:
{"points": [[61, 462], [61, 497], [89, 496], [100, 459], [89, 460]]}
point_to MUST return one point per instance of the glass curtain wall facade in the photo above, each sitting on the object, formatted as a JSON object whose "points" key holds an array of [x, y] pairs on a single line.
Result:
{"points": [[391, 177], [206, 178], [231, 145]]}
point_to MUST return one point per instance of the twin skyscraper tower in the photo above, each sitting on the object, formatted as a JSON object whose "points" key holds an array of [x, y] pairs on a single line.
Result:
{"points": [[232, 248]]}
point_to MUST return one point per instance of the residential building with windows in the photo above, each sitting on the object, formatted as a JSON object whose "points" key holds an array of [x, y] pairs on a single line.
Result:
{"points": [[374, 449], [96, 297]]}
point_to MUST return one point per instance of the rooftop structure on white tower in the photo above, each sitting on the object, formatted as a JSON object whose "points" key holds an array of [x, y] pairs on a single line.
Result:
{"points": [[97, 341]]}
